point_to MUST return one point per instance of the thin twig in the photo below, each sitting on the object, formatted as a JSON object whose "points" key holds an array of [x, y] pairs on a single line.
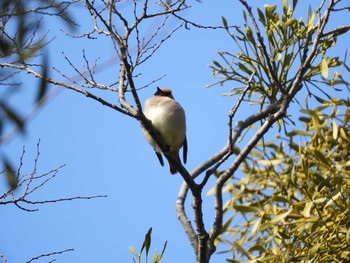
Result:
{"points": [[50, 254]]}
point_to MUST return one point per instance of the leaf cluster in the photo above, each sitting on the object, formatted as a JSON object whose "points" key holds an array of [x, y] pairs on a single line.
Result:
{"points": [[272, 47], [293, 201], [146, 245]]}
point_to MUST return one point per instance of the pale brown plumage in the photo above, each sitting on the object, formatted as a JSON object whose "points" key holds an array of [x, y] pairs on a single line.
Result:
{"points": [[168, 118]]}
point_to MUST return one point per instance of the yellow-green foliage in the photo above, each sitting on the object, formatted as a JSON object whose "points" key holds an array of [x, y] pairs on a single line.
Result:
{"points": [[291, 202]]}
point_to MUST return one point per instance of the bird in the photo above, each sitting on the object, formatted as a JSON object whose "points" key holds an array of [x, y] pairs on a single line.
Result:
{"points": [[169, 120]]}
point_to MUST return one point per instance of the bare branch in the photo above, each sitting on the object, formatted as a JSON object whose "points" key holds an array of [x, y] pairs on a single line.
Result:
{"points": [[32, 183], [3, 258], [191, 23], [50, 254], [65, 85]]}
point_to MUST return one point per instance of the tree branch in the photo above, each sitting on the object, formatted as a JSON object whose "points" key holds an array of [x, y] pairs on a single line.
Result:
{"points": [[50, 254], [31, 183], [65, 85]]}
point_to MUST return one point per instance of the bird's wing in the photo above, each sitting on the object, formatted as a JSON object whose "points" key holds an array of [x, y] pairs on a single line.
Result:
{"points": [[185, 150], [160, 158]]}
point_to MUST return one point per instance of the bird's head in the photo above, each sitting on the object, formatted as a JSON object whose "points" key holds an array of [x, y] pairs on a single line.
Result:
{"points": [[164, 92]]}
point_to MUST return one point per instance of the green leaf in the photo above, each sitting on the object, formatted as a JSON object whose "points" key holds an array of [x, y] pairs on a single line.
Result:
{"points": [[245, 69], [343, 134], [5, 47], [11, 177], [285, 4], [348, 236], [224, 22], [299, 132], [246, 209], [12, 116], [164, 247], [249, 34], [261, 16], [347, 115], [217, 64], [291, 22], [147, 242], [320, 156], [280, 199], [334, 129], [307, 209], [43, 82], [157, 257], [133, 251], [314, 250], [319, 99], [226, 224], [244, 16], [295, 2], [324, 68], [281, 217], [269, 10], [256, 226], [241, 249], [257, 247], [310, 20], [266, 225], [271, 162]]}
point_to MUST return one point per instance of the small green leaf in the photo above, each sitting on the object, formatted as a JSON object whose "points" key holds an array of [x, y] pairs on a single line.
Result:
{"points": [[147, 242], [12, 179], [261, 17], [285, 4], [335, 129], [224, 22], [324, 68], [295, 2], [280, 199], [249, 34], [217, 64], [271, 162], [310, 20], [343, 134], [307, 209], [334, 198], [256, 226], [246, 208], [269, 10], [163, 250], [291, 22], [320, 156], [5, 47], [257, 247], [133, 251], [241, 249], [299, 132], [245, 69], [319, 99], [281, 216], [43, 82], [244, 16], [12, 116], [314, 250]]}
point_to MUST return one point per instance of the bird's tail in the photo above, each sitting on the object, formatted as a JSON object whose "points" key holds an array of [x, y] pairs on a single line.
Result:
{"points": [[173, 169]]}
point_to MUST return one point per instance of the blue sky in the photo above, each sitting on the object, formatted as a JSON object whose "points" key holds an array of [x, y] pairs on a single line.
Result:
{"points": [[105, 152]]}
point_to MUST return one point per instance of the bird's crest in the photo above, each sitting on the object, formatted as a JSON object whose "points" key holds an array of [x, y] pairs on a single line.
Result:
{"points": [[164, 92]]}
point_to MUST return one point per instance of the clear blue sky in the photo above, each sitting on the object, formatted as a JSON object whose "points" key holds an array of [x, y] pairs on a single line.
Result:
{"points": [[105, 152]]}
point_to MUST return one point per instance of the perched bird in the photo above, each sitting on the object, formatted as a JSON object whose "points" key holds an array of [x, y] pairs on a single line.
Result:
{"points": [[168, 118]]}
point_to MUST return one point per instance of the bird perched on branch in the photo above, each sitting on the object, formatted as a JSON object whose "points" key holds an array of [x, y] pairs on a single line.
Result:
{"points": [[168, 118]]}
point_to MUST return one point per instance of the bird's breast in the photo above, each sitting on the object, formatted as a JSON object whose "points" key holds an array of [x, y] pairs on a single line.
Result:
{"points": [[170, 121]]}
